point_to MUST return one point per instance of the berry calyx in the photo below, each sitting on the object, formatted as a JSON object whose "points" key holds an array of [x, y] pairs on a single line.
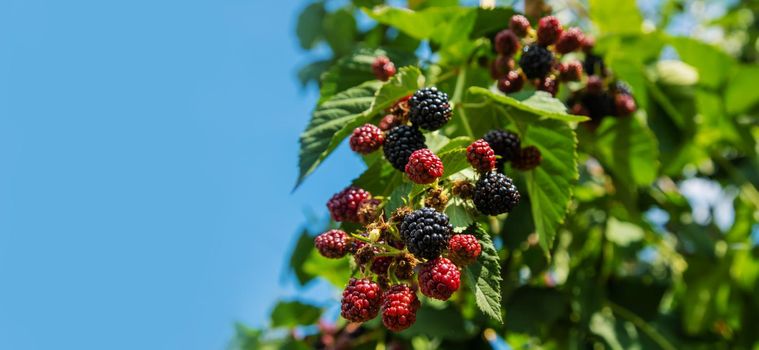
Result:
{"points": [[570, 40], [383, 68], [399, 306], [429, 108], [343, 206], [464, 249], [512, 82], [570, 71], [529, 158], [366, 139], [481, 156], [426, 233], [504, 143], [436, 198], [439, 278], [495, 194], [404, 266], [361, 300], [549, 30], [520, 25], [506, 43], [424, 167], [400, 142], [462, 189], [332, 244], [536, 61]]}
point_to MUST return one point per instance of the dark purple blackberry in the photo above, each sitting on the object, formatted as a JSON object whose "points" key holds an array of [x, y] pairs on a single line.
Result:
{"points": [[536, 61], [426, 233], [400, 142], [594, 65], [504, 143], [429, 108], [598, 106], [495, 194]]}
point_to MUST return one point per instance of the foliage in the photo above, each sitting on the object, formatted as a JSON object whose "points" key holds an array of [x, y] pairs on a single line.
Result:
{"points": [[607, 247]]}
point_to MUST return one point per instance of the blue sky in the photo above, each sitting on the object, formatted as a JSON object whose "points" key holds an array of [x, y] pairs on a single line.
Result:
{"points": [[147, 152]]}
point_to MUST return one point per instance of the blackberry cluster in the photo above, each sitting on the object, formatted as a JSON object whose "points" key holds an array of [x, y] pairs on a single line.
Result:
{"points": [[426, 233], [439, 278], [424, 167], [429, 108], [400, 142], [495, 194], [332, 244], [344, 205]]}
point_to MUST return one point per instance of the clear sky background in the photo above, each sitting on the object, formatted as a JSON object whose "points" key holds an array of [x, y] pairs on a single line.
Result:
{"points": [[147, 154]]}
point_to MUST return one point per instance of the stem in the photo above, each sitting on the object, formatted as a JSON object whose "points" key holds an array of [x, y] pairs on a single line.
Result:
{"points": [[642, 325], [457, 94]]}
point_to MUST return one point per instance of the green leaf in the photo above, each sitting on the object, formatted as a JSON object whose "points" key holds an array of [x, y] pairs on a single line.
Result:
{"points": [[340, 31], [490, 21], [336, 118], [629, 149], [623, 233], [398, 197], [432, 321], [309, 28], [606, 16], [291, 314], [534, 106], [355, 69], [531, 308], [459, 214], [313, 71], [335, 271], [741, 93], [713, 64], [453, 161], [300, 254], [484, 278], [550, 184]]}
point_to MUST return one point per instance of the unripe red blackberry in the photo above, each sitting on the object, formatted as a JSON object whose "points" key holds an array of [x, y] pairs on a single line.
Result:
{"points": [[343, 206], [480, 156], [570, 40], [424, 167], [529, 158], [549, 85], [520, 25], [332, 244], [381, 264], [426, 233], [536, 61], [383, 68], [439, 278], [501, 66], [549, 30], [388, 122], [400, 142], [570, 71], [361, 300], [429, 108], [464, 249], [512, 82], [399, 306], [624, 104], [366, 139], [595, 85], [504, 143], [495, 194], [506, 43], [587, 43]]}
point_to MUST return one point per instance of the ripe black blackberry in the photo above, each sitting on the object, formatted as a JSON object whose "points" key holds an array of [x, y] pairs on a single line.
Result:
{"points": [[426, 233], [495, 194], [429, 108], [529, 158], [536, 61], [504, 143], [400, 142], [361, 300]]}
